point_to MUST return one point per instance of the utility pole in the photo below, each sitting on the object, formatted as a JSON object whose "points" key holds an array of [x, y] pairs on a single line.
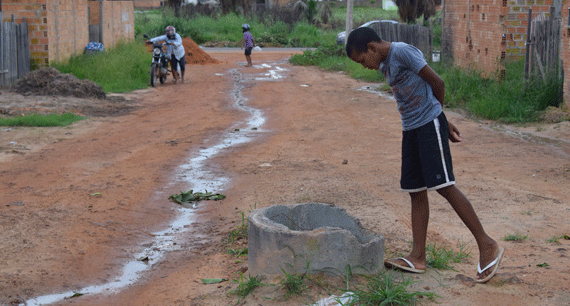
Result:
{"points": [[348, 29]]}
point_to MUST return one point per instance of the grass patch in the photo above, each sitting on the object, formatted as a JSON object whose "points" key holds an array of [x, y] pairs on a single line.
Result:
{"points": [[361, 15], [246, 285], [440, 257], [238, 237], [293, 283], [388, 288], [237, 252], [333, 57], [554, 239], [511, 100], [516, 237], [41, 120], [272, 27], [121, 69]]}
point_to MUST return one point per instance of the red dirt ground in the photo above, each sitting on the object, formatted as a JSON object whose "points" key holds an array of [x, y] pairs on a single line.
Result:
{"points": [[78, 202]]}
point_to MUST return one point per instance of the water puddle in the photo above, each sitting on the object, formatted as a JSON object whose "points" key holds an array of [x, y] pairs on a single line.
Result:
{"points": [[200, 177], [273, 73], [528, 137], [376, 89], [195, 171], [562, 146]]}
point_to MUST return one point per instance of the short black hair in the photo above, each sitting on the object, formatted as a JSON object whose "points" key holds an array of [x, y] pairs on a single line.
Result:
{"points": [[359, 39]]}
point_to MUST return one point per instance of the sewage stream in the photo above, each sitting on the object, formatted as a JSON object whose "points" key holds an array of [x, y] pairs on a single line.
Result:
{"points": [[199, 177]]}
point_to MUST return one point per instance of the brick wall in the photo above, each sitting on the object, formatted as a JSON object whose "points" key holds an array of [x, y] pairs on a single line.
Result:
{"points": [[68, 28], [118, 22], [482, 33], [59, 29], [36, 14], [149, 3]]}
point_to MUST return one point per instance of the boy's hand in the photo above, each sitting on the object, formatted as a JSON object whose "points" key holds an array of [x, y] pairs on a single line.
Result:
{"points": [[454, 134]]}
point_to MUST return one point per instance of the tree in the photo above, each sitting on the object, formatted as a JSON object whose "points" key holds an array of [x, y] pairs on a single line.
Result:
{"points": [[410, 10], [315, 12], [175, 4], [236, 6]]}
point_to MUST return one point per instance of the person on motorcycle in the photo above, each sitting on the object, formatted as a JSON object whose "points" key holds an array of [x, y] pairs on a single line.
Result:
{"points": [[175, 51]]}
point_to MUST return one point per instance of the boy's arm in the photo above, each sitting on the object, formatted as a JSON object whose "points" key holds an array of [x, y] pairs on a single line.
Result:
{"points": [[158, 38], [177, 41], [438, 87]]}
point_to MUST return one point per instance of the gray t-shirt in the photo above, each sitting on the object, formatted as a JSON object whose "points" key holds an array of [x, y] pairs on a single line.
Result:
{"points": [[416, 101]]}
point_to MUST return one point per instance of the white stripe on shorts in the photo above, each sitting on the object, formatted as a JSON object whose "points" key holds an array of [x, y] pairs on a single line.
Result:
{"points": [[436, 124]]}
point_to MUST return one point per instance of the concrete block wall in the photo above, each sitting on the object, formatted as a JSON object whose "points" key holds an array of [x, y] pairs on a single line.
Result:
{"points": [[481, 34]]}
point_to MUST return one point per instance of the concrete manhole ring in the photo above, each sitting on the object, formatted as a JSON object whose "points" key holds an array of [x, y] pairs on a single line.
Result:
{"points": [[290, 236]]}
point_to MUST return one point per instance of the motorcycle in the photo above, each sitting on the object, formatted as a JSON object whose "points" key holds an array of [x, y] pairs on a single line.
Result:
{"points": [[159, 65]]}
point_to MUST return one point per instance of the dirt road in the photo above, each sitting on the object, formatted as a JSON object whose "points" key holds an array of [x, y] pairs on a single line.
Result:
{"points": [[79, 203]]}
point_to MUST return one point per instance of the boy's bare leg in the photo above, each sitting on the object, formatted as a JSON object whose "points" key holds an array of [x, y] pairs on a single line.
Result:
{"points": [[420, 219], [174, 75], [488, 248], [248, 58], [182, 72]]}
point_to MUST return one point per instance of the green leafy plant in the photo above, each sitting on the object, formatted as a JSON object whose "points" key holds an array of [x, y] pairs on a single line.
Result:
{"points": [[554, 239], [516, 237], [440, 257], [191, 196], [386, 288], [41, 120], [246, 285]]}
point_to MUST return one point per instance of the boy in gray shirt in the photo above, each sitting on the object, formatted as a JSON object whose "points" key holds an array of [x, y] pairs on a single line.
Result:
{"points": [[426, 158]]}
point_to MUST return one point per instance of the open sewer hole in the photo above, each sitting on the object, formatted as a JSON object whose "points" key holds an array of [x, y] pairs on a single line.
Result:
{"points": [[324, 236]]}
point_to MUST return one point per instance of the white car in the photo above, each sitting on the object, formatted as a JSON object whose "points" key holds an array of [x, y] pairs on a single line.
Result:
{"points": [[341, 37]]}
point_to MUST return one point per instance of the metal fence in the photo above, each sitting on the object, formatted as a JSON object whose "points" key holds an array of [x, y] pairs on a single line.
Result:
{"points": [[415, 35], [14, 51]]}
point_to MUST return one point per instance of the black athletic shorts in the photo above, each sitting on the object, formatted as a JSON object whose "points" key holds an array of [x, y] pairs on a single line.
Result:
{"points": [[426, 159], [248, 51], [174, 63]]}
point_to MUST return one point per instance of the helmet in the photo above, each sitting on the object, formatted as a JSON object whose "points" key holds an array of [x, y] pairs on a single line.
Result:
{"points": [[245, 27], [170, 31]]}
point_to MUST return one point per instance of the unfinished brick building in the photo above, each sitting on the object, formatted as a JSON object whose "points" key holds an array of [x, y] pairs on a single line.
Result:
{"points": [[482, 33], [59, 29]]}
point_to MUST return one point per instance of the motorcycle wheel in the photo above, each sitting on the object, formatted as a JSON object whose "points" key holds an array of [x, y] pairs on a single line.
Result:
{"points": [[153, 76], [162, 79]]}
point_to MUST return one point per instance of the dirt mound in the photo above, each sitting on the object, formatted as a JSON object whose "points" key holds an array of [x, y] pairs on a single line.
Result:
{"points": [[195, 54], [48, 81]]}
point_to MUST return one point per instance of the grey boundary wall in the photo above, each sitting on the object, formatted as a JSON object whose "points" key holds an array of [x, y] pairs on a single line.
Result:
{"points": [[321, 236]]}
